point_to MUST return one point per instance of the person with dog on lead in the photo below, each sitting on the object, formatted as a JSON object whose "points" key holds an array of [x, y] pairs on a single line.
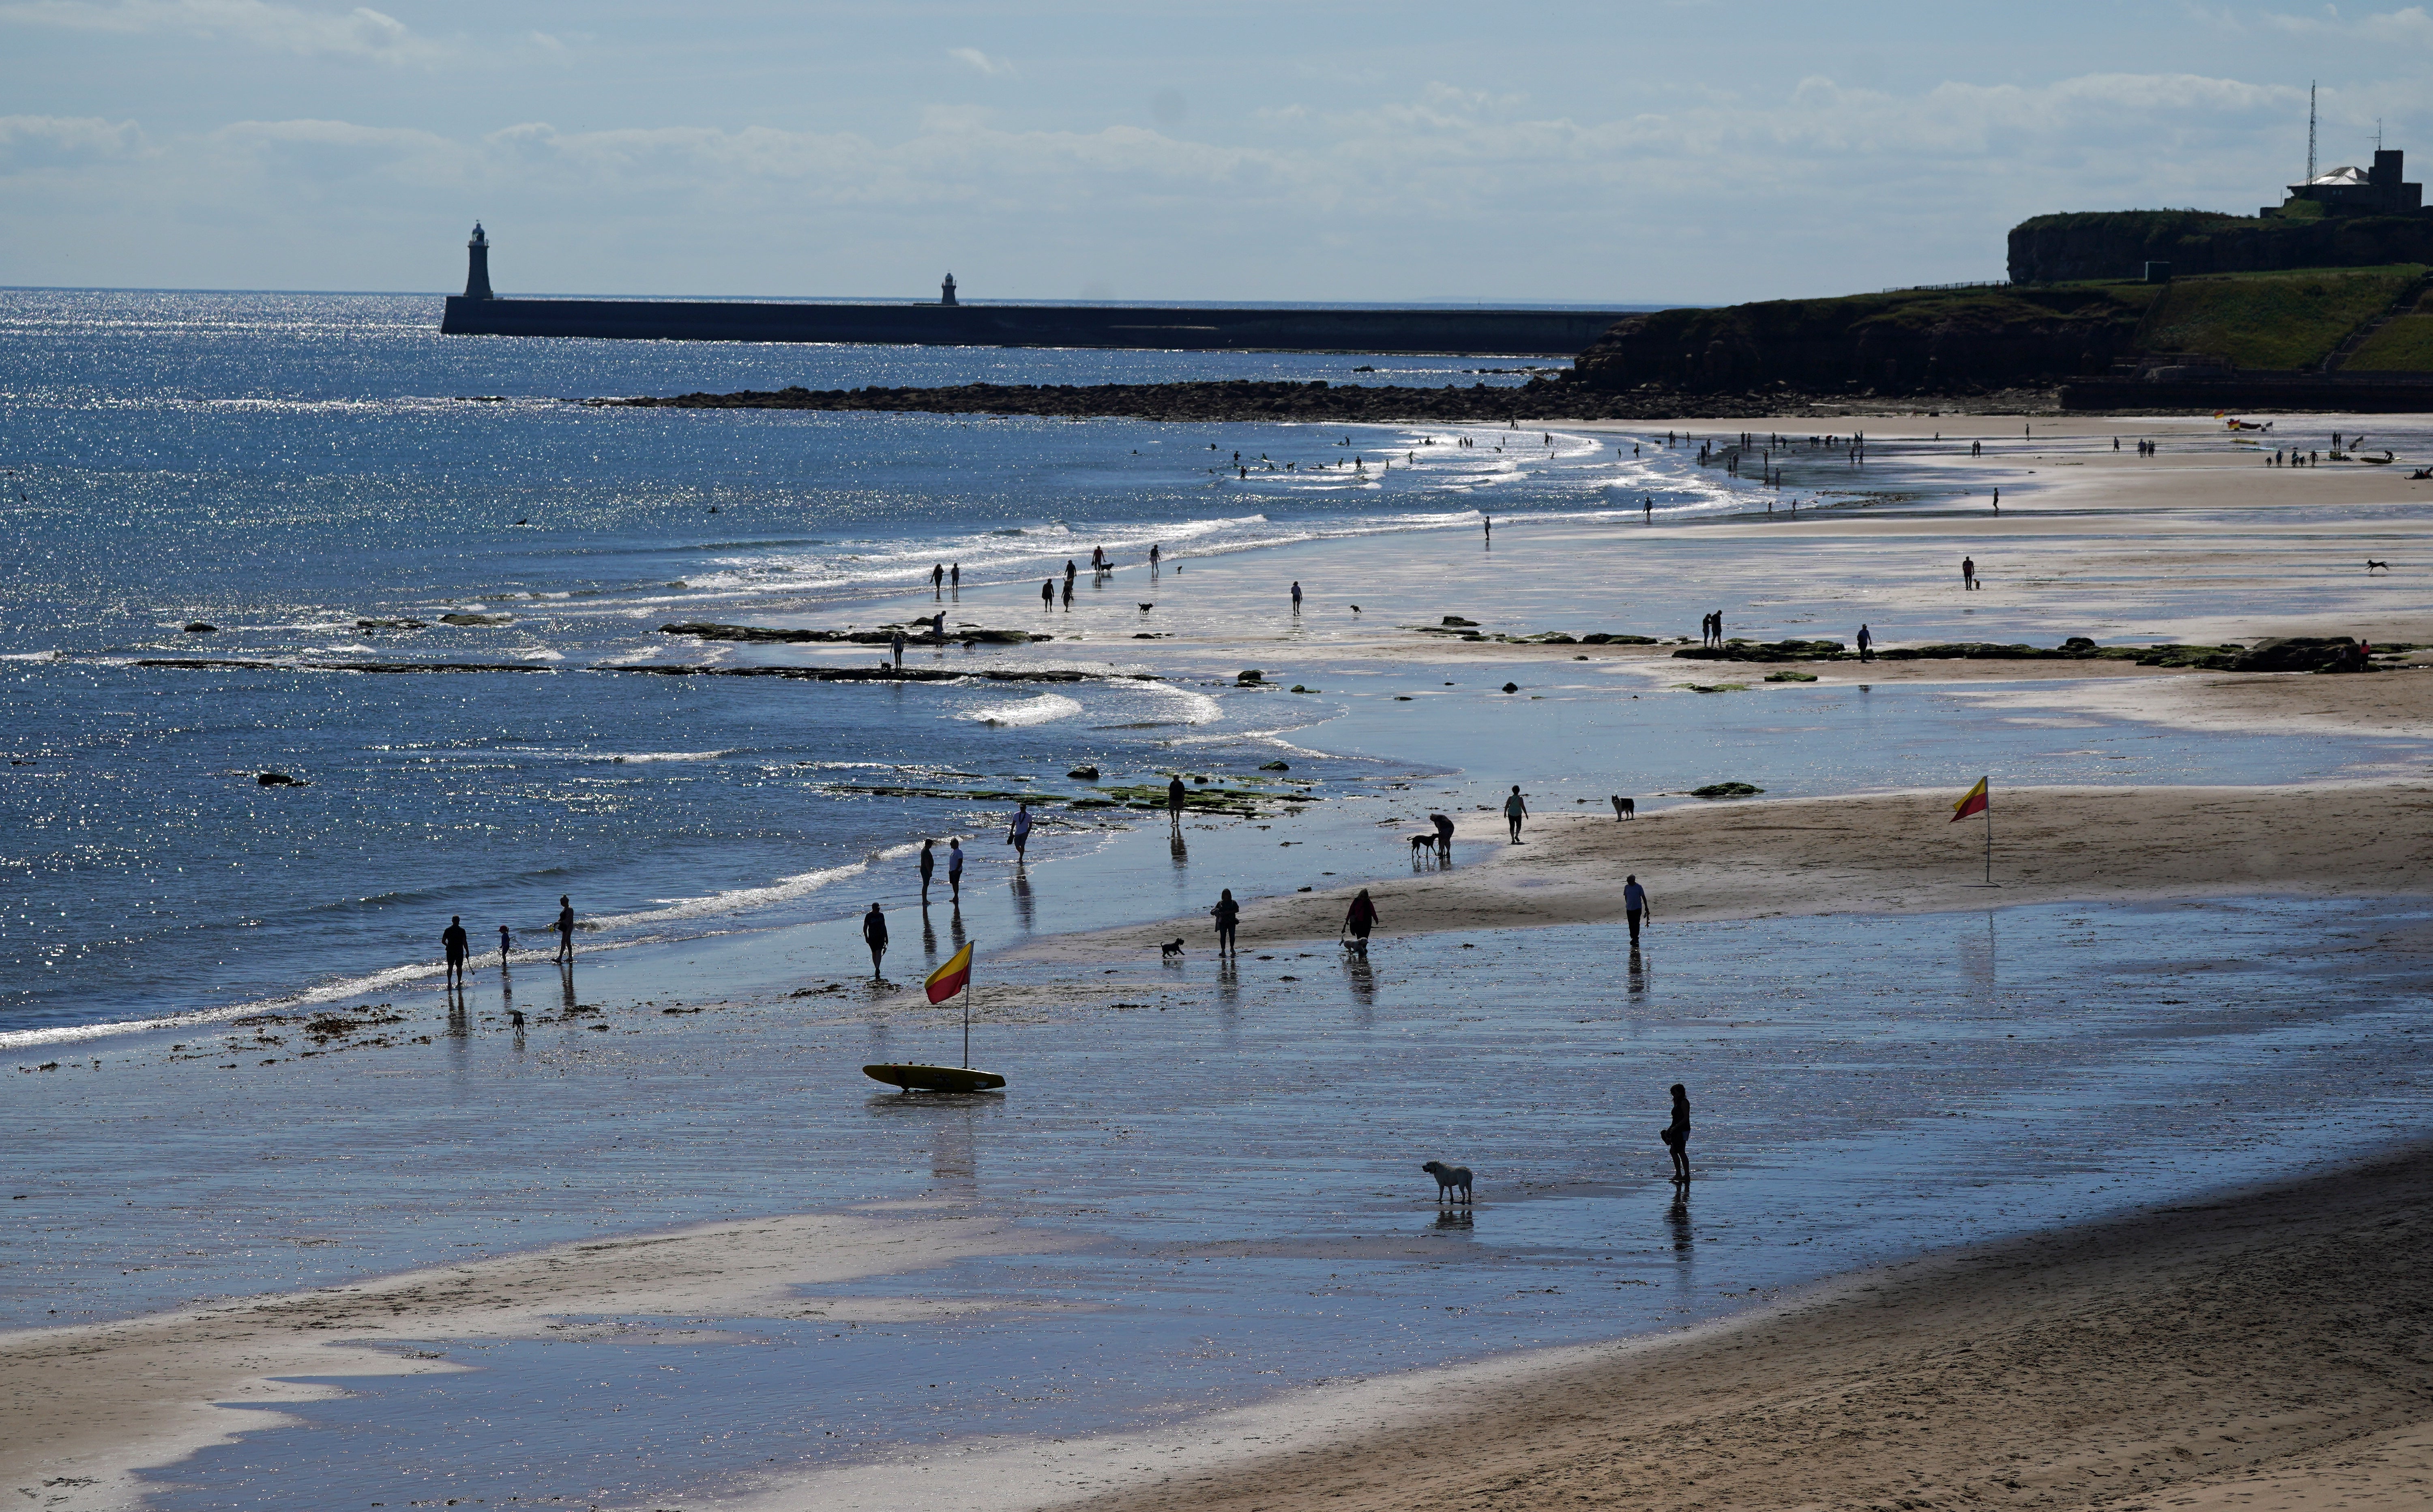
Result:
{"points": [[1358, 920], [1515, 810], [1634, 905], [873, 934], [1227, 913], [1676, 1135]]}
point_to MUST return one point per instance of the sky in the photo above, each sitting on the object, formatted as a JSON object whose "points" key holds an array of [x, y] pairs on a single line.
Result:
{"points": [[1623, 151]]}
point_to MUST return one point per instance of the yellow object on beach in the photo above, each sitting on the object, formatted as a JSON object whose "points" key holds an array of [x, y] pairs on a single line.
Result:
{"points": [[950, 978], [1977, 802]]}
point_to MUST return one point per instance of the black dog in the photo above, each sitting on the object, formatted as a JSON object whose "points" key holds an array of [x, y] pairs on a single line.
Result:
{"points": [[1625, 808], [2370, 564], [1171, 950]]}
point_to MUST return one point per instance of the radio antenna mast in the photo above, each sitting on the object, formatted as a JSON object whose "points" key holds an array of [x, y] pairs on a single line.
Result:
{"points": [[2310, 131]]}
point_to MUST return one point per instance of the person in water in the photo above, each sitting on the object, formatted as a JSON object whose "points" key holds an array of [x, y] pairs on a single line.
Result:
{"points": [[1676, 1135], [453, 944], [1018, 834], [1296, 596], [937, 578], [1634, 907], [873, 934], [1227, 913], [565, 930], [1047, 594], [1358, 920], [506, 942], [928, 866], [1175, 793]]}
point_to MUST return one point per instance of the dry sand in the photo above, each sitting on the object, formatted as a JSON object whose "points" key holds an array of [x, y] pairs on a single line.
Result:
{"points": [[86, 1406], [1882, 853]]}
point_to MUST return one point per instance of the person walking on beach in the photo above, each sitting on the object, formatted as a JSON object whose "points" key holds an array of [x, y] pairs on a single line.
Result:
{"points": [[1515, 810], [1968, 572], [1358, 920], [1634, 907], [1227, 913], [928, 866], [565, 930], [1048, 595], [955, 577], [1174, 796], [1676, 1135], [454, 944], [1070, 570], [1998, 500], [1296, 596], [1647, 507], [1867, 644], [1155, 555], [1018, 835], [955, 871], [506, 942], [873, 934], [937, 579], [1487, 524]]}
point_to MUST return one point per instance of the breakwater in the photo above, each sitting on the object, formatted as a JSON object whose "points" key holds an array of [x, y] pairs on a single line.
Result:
{"points": [[1499, 332], [2329, 393]]}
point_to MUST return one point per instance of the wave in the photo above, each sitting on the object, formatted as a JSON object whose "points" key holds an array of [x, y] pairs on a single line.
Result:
{"points": [[1041, 709]]}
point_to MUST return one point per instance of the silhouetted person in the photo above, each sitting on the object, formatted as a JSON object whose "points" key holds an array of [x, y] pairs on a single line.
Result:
{"points": [[1676, 1135], [1227, 913], [873, 934], [1174, 796], [1047, 594], [506, 942], [1358, 920], [937, 579], [1867, 644], [1634, 907], [1018, 834], [1486, 526], [1156, 553], [1515, 810], [928, 865], [897, 647], [565, 927], [954, 576], [1296, 596], [1967, 573], [954, 871], [1444, 835], [453, 944]]}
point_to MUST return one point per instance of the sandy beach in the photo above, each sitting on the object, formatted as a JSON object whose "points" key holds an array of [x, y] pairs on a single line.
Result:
{"points": [[2258, 1350]]}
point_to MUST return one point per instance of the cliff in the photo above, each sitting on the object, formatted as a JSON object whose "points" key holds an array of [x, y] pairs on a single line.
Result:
{"points": [[2119, 243], [1910, 340]]}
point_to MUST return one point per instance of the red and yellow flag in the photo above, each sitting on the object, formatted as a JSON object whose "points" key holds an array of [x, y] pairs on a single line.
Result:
{"points": [[1977, 802], [956, 974]]}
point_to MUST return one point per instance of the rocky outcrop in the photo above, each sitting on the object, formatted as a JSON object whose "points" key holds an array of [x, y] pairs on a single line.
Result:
{"points": [[780, 636], [2120, 244], [1939, 341]]}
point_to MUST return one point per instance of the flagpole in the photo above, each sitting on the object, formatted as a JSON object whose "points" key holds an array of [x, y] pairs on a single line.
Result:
{"points": [[968, 1022], [1989, 835]]}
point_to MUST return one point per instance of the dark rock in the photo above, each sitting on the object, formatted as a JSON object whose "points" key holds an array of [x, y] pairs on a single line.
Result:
{"points": [[1275, 766], [200, 628], [277, 779], [1083, 773], [2297, 653], [1512, 687], [1249, 678], [391, 625], [477, 618], [1456, 619], [1725, 790]]}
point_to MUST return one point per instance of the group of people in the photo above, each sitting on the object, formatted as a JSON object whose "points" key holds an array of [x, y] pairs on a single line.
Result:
{"points": [[457, 948], [1710, 629]]}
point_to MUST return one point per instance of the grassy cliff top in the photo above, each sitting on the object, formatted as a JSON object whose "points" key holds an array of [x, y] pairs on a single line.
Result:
{"points": [[2273, 320]]}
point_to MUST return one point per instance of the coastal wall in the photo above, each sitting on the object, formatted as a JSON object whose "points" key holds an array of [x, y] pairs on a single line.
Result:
{"points": [[2119, 243], [2255, 392], [1500, 333]]}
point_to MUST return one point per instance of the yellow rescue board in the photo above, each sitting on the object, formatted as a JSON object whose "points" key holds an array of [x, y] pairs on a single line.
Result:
{"points": [[934, 1078]]}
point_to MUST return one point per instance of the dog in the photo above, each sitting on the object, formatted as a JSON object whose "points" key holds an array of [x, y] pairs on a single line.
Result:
{"points": [[1625, 808], [1448, 1179], [1421, 844], [2370, 564], [1171, 950]]}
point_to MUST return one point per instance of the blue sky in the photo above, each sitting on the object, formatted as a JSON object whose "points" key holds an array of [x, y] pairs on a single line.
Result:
{"points": [[1618, 151]]}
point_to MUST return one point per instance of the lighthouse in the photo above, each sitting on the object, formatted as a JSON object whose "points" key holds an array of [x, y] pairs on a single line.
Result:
{"points": [[946, 290], [477, 265]]}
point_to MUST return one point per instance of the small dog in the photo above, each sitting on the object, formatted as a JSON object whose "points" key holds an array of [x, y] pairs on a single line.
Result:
{"points": [[1421, 844], [2370, 564], [1171, 950], [1448, 1179], [1625, 808]]}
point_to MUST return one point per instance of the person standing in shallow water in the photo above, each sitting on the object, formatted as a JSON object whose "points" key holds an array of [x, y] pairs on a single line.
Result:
{"points": [[1676, 1135], [1358, 920], [506, 942], [873, 934], [1018, 834], [1296, 596], [1227, 913], [1047, 594], [565, 930], [1634, 907], [955, 871], [1175, 793], [453, 944], [928, 866]]}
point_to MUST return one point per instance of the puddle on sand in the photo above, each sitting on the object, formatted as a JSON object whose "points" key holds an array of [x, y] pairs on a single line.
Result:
{"points": [[1240, 1157]]}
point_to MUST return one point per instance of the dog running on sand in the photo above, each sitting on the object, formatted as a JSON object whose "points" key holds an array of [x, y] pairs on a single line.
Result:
{"points": [[1448, 1179], [1171, 950]]}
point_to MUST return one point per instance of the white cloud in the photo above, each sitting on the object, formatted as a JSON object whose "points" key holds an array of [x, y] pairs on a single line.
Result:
{"points": [[2411, 26], [37, 141], [980, 60], [361, 32]]}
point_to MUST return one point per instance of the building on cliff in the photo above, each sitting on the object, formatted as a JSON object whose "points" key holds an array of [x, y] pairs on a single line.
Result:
{"points": [[2376, 191]]}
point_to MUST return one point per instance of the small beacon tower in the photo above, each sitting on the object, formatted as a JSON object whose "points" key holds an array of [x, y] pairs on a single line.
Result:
{"points": [[945, 290], [477, 266]]}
